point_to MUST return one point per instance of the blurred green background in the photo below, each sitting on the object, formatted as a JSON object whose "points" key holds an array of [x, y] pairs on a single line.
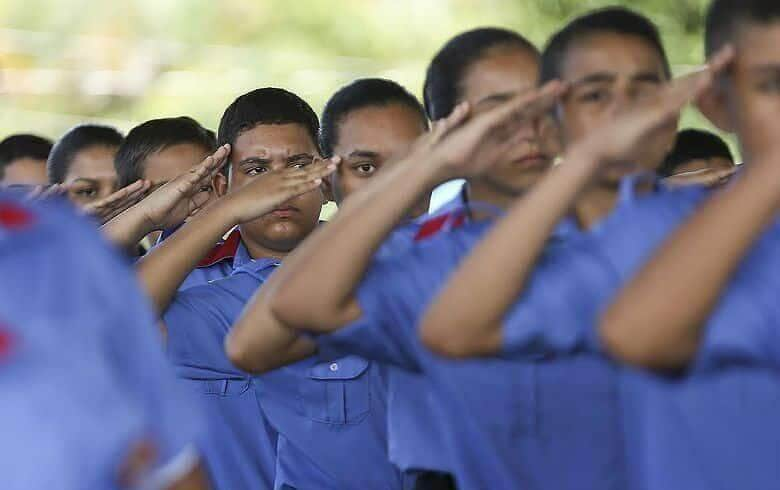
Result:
{"points": [[63, 62]]}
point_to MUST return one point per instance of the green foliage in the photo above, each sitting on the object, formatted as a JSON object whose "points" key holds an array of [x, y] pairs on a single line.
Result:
{"points": [[124, 62]]}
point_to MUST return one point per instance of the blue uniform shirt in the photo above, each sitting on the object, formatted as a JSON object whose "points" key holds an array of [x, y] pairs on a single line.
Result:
{"points": [[329, 413], [481, 415], [711, 428], [83, 376]]}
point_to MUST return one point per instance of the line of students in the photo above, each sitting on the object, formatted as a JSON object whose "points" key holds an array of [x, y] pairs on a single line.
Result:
{"points": [[528, 337]]}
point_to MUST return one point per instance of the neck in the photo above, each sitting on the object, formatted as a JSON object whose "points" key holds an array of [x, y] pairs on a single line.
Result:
{"points": [[594, 205], [484, 193], [259, 251]]}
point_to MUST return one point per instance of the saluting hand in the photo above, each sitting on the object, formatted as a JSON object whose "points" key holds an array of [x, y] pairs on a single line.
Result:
{"points": [[467, 147], [104, 210], [171, 204], [624, 138], [268, 191]]}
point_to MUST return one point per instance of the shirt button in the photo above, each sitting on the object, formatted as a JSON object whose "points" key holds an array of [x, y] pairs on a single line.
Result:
{"points": [[334, 367]]}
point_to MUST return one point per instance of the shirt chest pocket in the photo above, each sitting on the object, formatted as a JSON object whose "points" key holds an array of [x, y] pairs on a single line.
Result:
{"points": [[337, 392], [225, 387]]}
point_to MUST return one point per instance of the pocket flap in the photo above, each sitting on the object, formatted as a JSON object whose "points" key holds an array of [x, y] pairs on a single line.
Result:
{"points": [[345, 368]]}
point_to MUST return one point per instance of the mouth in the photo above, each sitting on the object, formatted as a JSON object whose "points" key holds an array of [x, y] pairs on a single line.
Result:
{"points": [[532, 160], [285, 212]]}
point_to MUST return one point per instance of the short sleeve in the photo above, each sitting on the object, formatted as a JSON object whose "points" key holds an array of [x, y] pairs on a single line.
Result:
{"points": [[743, 327], [197, 323], [557, 312], [393, 296], [385, 330]]}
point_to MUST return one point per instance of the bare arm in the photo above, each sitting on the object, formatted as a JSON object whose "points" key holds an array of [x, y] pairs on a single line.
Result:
{"points": [[317, 290], [657, 320], [164, 269], [456, 325]]}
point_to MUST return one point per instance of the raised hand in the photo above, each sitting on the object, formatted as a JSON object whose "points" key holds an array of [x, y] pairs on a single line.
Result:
{"points": [[109, 207], [469, 148], [266, 192], [623, 139], [171, 204]]}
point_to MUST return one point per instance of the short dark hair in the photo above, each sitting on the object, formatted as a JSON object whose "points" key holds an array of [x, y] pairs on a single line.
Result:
{"points": [[442, 89], [694, 144], [617, 20], [366, 92], [266, 106], [155, 136], [18, 146], [75, 140], [724, 16]]}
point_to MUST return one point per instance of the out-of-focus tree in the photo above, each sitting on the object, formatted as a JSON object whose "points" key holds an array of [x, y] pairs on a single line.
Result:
{"points": [[66, 61]]}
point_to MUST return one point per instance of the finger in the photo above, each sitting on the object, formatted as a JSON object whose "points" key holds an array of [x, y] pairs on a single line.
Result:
{"points": [[722, 59]]}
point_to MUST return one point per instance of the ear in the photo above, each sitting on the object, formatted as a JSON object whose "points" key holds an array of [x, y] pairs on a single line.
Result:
{"points": [[220, 184], [713, 104]]}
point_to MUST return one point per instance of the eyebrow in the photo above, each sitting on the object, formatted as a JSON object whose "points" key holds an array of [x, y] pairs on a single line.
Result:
{"points": [[299, 156], [769, 68], [363, 154], [255, 160], [600, 77], [501, 97], [647, 76]]}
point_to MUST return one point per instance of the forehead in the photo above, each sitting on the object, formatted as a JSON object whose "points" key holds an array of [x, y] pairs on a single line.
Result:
{"points": [[502, 70], [93, 162], [379, 128], [620, 54], [173, 161], [757, 44], [267, 140]]}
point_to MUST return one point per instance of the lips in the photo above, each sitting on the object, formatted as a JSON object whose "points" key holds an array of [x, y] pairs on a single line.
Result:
{"points": [[285, 212], [532, 160]]}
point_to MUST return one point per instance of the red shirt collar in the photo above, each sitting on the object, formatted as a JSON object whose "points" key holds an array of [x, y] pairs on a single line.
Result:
{"points": [[225, 250]]}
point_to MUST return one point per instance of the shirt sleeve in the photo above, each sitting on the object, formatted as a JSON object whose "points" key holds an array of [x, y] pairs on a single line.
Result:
{"points": [[743, 327], [392, 297], [197, 323], [557, 312]]}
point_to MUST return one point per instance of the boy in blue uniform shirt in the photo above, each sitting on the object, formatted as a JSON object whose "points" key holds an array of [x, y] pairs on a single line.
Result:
{"points": [[374, 318], [73, 345], [322, 409], [725, 329], [484, 66]]}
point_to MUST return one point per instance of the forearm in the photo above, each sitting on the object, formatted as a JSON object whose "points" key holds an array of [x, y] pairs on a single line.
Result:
{"points": [[458, 326], [128, 229], [318, 281], [657, 320], [164, 269]]}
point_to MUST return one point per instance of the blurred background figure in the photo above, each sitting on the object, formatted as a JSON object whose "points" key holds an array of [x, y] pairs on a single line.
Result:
{"points": [[698, 158], [23, 160]]}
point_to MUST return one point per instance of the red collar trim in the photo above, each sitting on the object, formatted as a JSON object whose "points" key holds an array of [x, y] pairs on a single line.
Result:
{"points": [[15, 217], [225, 250], [434, 226]]}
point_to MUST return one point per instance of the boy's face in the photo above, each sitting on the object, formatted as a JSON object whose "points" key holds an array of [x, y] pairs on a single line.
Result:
{"points": [[165, 165], [370, 139], [497, 76], [92, 174], [269, 147], [25, 171], [752, 99], [610, 73]]}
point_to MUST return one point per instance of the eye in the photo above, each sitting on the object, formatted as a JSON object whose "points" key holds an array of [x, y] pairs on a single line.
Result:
{"points": [[365, 169], [256, 170], [206, 188], [770, 85], [86, 192], [594, 96]]}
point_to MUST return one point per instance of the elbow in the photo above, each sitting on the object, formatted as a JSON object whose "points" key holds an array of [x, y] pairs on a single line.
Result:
{"points": [[456, 343], [629, 347], [240, 355]]}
